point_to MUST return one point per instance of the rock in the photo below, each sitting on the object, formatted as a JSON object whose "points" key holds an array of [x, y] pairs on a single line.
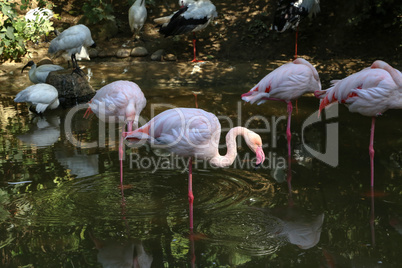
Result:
{"points": [[123, 53], [157, 55], [93, 52], [73, 88], [139, 52], [170, 57], [107, 53], [45, 60]]}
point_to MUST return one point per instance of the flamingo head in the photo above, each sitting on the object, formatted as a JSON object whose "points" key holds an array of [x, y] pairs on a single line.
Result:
{"points": [[254, 142]]}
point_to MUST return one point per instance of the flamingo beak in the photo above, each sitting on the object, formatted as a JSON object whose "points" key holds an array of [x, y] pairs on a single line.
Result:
{"points": [[260, 156]]}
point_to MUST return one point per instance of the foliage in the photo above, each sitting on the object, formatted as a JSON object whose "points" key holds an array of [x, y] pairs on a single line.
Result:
{"points": [[98, 10], [15, 31]]}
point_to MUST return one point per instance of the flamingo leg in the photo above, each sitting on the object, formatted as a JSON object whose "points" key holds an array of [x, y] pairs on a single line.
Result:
{"points": [[372, 218], [297, 31], [288, 133], [195, 49], [196, 103], [121, 160], [371, 151], [121, 151], [190, 191]]}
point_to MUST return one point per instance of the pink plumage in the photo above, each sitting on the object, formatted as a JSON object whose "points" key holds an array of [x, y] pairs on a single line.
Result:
{"points": [[287, 82], [370, 92], [192, 132], [118, 101]]}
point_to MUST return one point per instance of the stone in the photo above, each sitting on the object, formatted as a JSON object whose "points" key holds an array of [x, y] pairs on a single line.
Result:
{"points": [[107, 53], [139, 52], [170, 57], [73, 88], [93, 52], [157, 55], [123, 53]]}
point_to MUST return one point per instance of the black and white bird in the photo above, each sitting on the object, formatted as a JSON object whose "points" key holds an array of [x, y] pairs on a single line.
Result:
{"points": [[71, 41], [137, 15], [193, 16], [40, 97], [290, 13], [38, 74]]}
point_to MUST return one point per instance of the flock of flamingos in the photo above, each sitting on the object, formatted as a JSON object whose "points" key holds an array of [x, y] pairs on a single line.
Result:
{"points": [[193, 132]]}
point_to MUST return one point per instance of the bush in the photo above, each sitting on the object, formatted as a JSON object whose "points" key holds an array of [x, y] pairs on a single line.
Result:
{"points": [[15, 31]]}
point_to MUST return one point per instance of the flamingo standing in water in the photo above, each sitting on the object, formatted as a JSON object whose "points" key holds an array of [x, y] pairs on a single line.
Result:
{"points": [[193, 16], [370, 92], [118, 101], [191, 132], [286, 83]]}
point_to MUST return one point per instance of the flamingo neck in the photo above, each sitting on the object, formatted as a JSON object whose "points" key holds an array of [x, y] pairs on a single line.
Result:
{"points": [[230, 156]]}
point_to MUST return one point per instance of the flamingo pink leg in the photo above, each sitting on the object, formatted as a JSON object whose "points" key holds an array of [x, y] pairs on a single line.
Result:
{"points": [[371, 151], [121, 152], [288, 133], [372, 218], [195, 49], [297, 31], [121, 160], [190, 190]]}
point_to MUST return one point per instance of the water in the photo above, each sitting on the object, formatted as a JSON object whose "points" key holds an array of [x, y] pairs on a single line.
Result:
{"points": [[61, 206]]}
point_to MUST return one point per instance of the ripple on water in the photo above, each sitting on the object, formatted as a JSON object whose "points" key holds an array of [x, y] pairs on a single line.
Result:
{"points": [[249, 230]]}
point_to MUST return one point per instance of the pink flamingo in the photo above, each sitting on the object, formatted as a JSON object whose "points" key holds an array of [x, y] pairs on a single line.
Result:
{"points": [[370, 92], [192, 16], [286, 83], [118, 101], [191, 132]]}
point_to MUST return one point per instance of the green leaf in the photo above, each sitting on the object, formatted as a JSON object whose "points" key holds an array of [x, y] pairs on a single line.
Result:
{"points": [[10, 32]]}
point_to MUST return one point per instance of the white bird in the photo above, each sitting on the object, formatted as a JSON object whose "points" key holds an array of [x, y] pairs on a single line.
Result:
{"points": [[71, 41], [289, 13], [137, 16], [38, 74], [193, 17], [40, 96]]}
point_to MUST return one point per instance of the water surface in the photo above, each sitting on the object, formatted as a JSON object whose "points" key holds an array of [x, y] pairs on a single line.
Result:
{"points": [[61, 205]]}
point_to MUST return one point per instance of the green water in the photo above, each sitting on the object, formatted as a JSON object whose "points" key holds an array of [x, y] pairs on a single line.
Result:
{"points": [[61, 205]]}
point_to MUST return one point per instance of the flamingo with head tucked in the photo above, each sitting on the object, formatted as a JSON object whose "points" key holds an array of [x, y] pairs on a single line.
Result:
{"points": [[194, 133], [286, 83], [370, 92], [118, 101]]}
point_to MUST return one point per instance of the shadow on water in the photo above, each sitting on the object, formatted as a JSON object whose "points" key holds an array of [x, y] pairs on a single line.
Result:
{"points": [[60, 203]]}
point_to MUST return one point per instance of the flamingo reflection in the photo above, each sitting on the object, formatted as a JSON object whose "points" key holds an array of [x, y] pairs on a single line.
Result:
{"points": [[122, 254]]}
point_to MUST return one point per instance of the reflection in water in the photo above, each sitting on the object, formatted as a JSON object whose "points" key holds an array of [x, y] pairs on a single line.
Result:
{"points": [[43, 132], [299, 227], [243, 217], [262, 231], [122, 254], [79, 164]]}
